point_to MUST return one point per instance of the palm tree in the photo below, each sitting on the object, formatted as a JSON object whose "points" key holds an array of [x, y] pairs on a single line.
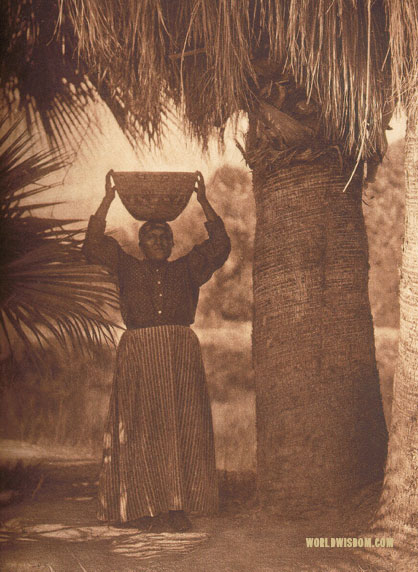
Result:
{"points": [[48, 293], [398, 503], [313, 78]]}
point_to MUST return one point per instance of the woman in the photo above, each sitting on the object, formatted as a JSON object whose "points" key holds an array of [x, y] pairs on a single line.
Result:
{"points": [[158, 458]]}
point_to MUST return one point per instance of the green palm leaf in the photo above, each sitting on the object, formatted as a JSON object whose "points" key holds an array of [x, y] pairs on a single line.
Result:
{"points": [[48, 292]]}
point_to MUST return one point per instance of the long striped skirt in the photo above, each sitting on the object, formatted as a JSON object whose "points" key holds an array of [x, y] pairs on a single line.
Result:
{"points": [[158, 444]]}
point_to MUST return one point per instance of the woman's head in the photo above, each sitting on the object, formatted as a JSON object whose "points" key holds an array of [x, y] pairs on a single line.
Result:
{"points": [[156, 240]]}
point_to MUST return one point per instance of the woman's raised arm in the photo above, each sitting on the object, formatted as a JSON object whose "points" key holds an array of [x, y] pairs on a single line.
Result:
{"points": [[99, 248]]}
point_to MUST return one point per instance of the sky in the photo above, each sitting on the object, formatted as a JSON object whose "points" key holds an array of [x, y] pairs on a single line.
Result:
{"points": [[83, 181]]}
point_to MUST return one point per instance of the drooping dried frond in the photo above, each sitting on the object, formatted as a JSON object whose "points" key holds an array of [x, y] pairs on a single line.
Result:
{"points": [[48, 293], [206, 55], [34, 65], [41, 74], [337, 50], [403, 26], [195, 53], [214, 59]]}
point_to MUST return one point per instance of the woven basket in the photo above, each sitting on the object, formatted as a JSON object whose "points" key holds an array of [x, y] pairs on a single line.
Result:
{"points": [[154, 196]]}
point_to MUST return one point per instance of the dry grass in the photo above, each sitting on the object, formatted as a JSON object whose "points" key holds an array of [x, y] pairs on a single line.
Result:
{"points": [[234, 426], [386, 355], [65, 405], [68, 407]]}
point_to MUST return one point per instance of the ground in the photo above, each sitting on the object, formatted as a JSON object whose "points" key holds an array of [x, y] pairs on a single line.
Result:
{"points": [[53, 528], [50, 523]]}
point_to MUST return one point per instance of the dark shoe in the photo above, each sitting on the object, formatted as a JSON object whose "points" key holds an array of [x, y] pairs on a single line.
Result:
{"points": [[179, 521], [159, 523], [144, 523], [129, 524]]}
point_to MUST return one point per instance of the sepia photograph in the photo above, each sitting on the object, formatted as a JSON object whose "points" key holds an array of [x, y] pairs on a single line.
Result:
{"points": [[209, 285]]}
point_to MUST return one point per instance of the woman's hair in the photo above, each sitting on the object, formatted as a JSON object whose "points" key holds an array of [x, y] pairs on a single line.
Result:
{"points": [[150, 225]]}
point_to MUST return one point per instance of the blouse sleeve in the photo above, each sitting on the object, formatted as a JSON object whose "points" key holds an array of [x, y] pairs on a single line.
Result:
{"points": [[99, 248], [205, 258]]}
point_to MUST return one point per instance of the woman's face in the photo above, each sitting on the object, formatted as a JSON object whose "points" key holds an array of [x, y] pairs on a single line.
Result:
{"points": [[157, 244]]}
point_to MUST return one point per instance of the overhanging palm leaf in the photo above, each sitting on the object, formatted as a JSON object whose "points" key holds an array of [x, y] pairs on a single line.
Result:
{"points": [[41, 74], [207, 56], [215, 58], [403, 25], [37, 72], [48, 293]]}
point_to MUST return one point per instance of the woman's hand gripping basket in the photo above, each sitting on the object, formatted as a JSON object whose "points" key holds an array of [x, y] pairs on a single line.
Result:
{"points": [[157, 196]]}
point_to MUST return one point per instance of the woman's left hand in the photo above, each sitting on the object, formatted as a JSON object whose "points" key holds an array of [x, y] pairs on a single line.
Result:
{"points": [[200, 188]]}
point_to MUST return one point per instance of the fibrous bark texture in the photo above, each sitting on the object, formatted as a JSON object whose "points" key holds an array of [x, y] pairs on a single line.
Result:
{"points": [[320, 425], [399, 502]]}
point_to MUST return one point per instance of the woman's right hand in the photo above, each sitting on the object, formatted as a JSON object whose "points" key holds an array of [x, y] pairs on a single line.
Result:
{"points": [[109, 187]]}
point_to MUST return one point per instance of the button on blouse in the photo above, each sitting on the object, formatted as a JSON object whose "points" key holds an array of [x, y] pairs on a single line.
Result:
{"points": [[171, 298]]}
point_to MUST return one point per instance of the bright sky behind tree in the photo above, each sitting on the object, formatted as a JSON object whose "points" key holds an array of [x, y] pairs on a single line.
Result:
{"points": [[83, 184]]}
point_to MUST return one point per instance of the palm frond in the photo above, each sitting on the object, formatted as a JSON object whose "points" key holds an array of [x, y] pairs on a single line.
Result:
{"points": [[207, 56], [34, 64], [41, 75], [403, 26], [48, 293], [204, 55]]}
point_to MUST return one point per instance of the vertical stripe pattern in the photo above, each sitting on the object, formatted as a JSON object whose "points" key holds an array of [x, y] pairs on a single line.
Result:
{"points": [[158, 444]]}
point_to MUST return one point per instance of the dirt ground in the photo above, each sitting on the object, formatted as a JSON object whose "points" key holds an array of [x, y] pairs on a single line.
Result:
{"points": [[53, 528]]}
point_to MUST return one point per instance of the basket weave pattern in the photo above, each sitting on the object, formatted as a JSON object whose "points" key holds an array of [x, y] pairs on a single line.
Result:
{"points": [[154, 195]]}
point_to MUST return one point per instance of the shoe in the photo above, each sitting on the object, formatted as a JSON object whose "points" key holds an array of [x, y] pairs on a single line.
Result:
{"points": [[179, 521], [128, 524], [159, 523], [145, 523]]}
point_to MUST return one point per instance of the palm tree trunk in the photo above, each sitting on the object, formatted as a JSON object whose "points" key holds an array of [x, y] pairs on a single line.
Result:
{"points": [[320, 424], [399, 500]]}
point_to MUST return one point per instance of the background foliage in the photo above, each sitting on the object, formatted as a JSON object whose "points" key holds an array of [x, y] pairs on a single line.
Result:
{"points": [[68, 403], [384, 207]]}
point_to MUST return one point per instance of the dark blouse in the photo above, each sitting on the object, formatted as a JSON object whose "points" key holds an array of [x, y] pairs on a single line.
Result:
{"points": [[158, 293]]}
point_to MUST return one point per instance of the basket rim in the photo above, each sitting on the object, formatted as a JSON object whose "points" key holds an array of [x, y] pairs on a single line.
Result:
{"points": [[155, 195]]}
